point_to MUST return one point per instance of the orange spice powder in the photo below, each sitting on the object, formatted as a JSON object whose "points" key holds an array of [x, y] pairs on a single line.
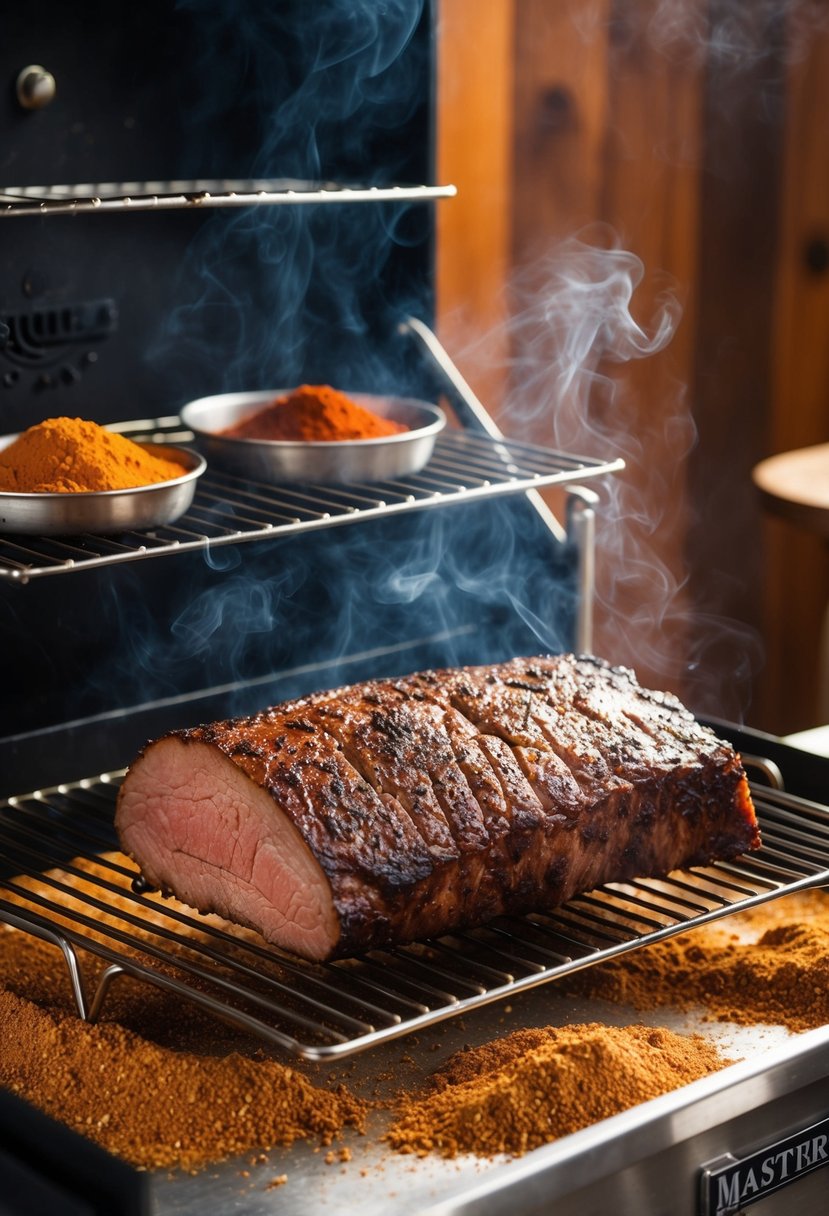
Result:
{"points": [[180, 1091], [160, 1083], [71, 455], [517, 1093], [768, 965]]}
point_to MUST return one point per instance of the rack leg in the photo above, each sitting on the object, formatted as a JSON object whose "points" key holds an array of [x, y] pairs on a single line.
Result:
{"points": [[581, 529]]}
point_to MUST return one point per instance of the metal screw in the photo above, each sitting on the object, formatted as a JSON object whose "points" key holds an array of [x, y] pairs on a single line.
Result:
{"points": [[35, 87], [33, 284]]}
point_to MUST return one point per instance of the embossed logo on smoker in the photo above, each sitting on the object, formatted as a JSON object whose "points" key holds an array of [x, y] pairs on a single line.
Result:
{"points": [[730, 1184]]}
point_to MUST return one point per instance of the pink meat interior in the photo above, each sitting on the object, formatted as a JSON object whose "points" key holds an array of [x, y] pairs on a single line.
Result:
{"points": [[203, 828]]}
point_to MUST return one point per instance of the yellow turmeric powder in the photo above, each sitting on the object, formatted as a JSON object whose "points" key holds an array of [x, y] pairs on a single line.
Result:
{"points": [[72, 455]]}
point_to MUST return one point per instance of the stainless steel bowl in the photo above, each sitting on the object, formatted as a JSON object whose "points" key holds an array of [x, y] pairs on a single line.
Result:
{"points": [[104, 511], [339, 462]]}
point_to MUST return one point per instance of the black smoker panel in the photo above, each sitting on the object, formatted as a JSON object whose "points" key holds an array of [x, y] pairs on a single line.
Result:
{"points": [[119, 316], [129, 315]]}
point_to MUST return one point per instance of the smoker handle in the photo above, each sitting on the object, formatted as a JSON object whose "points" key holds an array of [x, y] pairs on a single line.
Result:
{"points": [[581, 502]]}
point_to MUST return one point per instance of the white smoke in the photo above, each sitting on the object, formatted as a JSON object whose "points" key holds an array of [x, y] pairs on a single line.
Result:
{"points": [[577, 328], [571, 318], [729, 35]]}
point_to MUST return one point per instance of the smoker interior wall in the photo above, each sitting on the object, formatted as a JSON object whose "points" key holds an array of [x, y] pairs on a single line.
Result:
{"points": [[118, 316], [122, 654]]}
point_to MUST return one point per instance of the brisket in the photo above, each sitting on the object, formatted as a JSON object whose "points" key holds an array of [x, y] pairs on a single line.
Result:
{"points": [[397, 810]]}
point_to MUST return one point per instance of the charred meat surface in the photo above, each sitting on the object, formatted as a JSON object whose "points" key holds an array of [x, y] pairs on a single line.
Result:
{"points": [[397, 810]]}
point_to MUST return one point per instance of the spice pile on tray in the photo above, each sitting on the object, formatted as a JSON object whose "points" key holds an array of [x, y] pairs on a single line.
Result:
{"points": [[71, 455], [313, 413], [158, 1107], [161, 1086], [520, 1092]]}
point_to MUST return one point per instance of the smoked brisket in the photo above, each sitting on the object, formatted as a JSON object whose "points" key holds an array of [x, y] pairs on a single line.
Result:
{"points": [[401, 809]]}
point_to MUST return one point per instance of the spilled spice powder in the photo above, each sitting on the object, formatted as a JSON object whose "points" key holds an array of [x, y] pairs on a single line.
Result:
{"points": [[159, 1083], [314, 412], [533, 1086], [769, 964], [157, 1107]]}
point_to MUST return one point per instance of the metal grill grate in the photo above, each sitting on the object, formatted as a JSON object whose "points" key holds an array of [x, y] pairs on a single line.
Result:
{"points": [[229, 510], [63, 881]]}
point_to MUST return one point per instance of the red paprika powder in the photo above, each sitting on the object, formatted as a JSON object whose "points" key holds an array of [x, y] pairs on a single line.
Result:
{"points": [[314, 412]]}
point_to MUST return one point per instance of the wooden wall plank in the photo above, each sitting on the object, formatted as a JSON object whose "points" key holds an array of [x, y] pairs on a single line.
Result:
{"points": [[794, 692], [607, 131], [476, 59], [739, 227], [560, 102], [560, 120], [555, 114], [650, 199]]}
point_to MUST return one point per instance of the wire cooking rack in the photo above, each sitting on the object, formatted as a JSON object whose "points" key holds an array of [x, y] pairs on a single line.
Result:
{"points": [[228, 510], [62, 879]]}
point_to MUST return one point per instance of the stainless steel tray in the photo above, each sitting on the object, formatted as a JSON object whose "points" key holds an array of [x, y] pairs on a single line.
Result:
{"points": [[646, 1161], [330, 1011]]}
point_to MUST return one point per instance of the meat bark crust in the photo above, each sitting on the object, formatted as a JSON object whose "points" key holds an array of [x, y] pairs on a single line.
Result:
{"points": [[396, 810]]}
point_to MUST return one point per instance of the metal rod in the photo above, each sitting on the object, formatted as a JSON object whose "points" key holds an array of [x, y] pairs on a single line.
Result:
{"points": [[768, 768], [581, 527], [75, 200], [32, 923], [474, 410]]}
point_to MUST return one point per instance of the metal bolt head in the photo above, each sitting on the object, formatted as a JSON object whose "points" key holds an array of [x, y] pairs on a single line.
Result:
{"points": [[35, 87]]}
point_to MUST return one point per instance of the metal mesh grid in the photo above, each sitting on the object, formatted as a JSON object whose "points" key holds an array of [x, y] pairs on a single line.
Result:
{"points": [[230, 510], [63, 880]]}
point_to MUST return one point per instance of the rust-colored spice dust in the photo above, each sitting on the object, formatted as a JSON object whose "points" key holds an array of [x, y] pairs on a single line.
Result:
{"points": [[162, 1085], [767, 965], [314, 413], [71, 455], [523, 1091], [174, 1093]]}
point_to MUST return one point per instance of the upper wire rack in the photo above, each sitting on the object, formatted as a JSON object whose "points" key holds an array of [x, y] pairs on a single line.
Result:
{"points": [[62, 879], [177, 195], [228, 510]]}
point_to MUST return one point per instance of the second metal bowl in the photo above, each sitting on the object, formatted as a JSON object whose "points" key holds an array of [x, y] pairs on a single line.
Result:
{"points": [[333, 462]]}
